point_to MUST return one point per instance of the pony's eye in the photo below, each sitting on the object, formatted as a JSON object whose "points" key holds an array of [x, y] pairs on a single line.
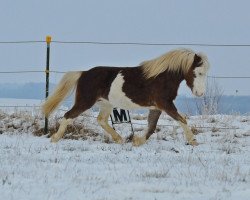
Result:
{"points": [[200, 74]]}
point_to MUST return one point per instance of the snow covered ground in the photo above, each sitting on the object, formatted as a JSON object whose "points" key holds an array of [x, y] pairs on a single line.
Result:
{"points": [[92, 168]]}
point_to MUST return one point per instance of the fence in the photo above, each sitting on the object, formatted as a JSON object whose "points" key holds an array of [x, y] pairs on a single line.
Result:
{"points": [[47, 70]]}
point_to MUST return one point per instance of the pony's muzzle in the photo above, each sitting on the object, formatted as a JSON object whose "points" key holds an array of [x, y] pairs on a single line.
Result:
{"points": [[198, 94]]}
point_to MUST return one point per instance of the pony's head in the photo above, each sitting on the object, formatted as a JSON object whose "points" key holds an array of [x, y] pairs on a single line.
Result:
{"points": [[196, 76], [193, 66]]}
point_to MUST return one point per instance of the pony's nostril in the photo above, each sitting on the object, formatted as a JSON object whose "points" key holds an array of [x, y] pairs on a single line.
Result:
{"points": [[196, 93], [200, 94]]}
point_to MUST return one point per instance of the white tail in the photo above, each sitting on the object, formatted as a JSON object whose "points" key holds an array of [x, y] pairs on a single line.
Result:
{"points": [[66, 85]]}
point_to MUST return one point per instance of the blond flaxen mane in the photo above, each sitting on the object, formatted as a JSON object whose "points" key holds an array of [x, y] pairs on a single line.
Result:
{"points": [[176, 60]]}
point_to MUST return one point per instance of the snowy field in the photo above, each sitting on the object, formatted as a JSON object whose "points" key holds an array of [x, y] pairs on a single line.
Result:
{"points": [[90, 167]]}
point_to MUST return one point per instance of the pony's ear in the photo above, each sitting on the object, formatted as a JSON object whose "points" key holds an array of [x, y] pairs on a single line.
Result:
{"points": [[197, 61]]}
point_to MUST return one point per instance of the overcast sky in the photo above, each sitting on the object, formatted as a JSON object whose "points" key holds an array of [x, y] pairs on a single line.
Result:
{"points": [[150, 21]]}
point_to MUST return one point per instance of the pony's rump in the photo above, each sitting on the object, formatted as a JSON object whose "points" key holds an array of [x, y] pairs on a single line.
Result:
{"points": [[65, 86]]}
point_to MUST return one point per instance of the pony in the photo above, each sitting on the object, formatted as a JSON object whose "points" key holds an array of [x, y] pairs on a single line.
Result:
{"points": [[153, 84]]}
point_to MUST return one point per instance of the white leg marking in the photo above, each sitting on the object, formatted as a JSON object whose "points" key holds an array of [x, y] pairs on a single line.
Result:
{"points": [[59, 134], [139, 140], [188, 133], [105, 110]]}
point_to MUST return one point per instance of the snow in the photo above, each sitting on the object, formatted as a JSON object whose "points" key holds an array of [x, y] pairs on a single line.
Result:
{"points": [[164, 168]]}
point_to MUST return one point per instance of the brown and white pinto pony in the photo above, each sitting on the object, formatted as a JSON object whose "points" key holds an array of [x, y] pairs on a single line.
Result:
{"points": [[153, 85]]}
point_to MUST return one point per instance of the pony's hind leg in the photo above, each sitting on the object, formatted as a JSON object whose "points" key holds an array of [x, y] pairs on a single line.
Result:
{"points": [[153, 117], [59, 134], [105, 110], [67, 119]]}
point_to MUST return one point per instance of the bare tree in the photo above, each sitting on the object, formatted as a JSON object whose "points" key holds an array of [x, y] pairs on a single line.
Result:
{"points": [[209, 104]]}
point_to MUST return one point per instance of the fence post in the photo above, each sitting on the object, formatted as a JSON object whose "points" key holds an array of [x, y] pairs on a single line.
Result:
{"points": [[48, 41]]}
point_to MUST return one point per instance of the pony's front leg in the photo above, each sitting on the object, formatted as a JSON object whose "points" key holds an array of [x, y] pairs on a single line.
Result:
{"points": [[153, 117], [105, 110], [172, 112]]}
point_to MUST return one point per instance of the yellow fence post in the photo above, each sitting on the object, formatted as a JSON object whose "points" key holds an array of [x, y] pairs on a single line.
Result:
{"points": [[48, 41]]}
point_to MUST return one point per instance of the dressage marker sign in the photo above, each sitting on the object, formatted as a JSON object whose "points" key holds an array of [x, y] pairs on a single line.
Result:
{"points": [[119, 116]]}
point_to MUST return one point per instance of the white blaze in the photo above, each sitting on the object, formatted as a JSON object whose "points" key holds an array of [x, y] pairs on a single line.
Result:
{"points": [[199, 84]]}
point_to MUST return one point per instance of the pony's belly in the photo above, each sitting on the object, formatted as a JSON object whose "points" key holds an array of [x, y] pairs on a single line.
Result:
{"points": [[123, 102]]}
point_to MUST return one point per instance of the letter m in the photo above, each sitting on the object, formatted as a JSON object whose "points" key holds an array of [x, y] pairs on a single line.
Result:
{"points": [[120, 117]]}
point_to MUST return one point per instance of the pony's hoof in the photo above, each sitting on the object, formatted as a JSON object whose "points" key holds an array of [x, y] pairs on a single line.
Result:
{"points": [[118, 140], [193, 143], [54, 138], [138, 141], [129, 138]]}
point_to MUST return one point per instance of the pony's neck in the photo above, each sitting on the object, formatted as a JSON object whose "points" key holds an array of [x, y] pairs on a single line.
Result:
{"points": [[172, 81], [175, 77]]}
